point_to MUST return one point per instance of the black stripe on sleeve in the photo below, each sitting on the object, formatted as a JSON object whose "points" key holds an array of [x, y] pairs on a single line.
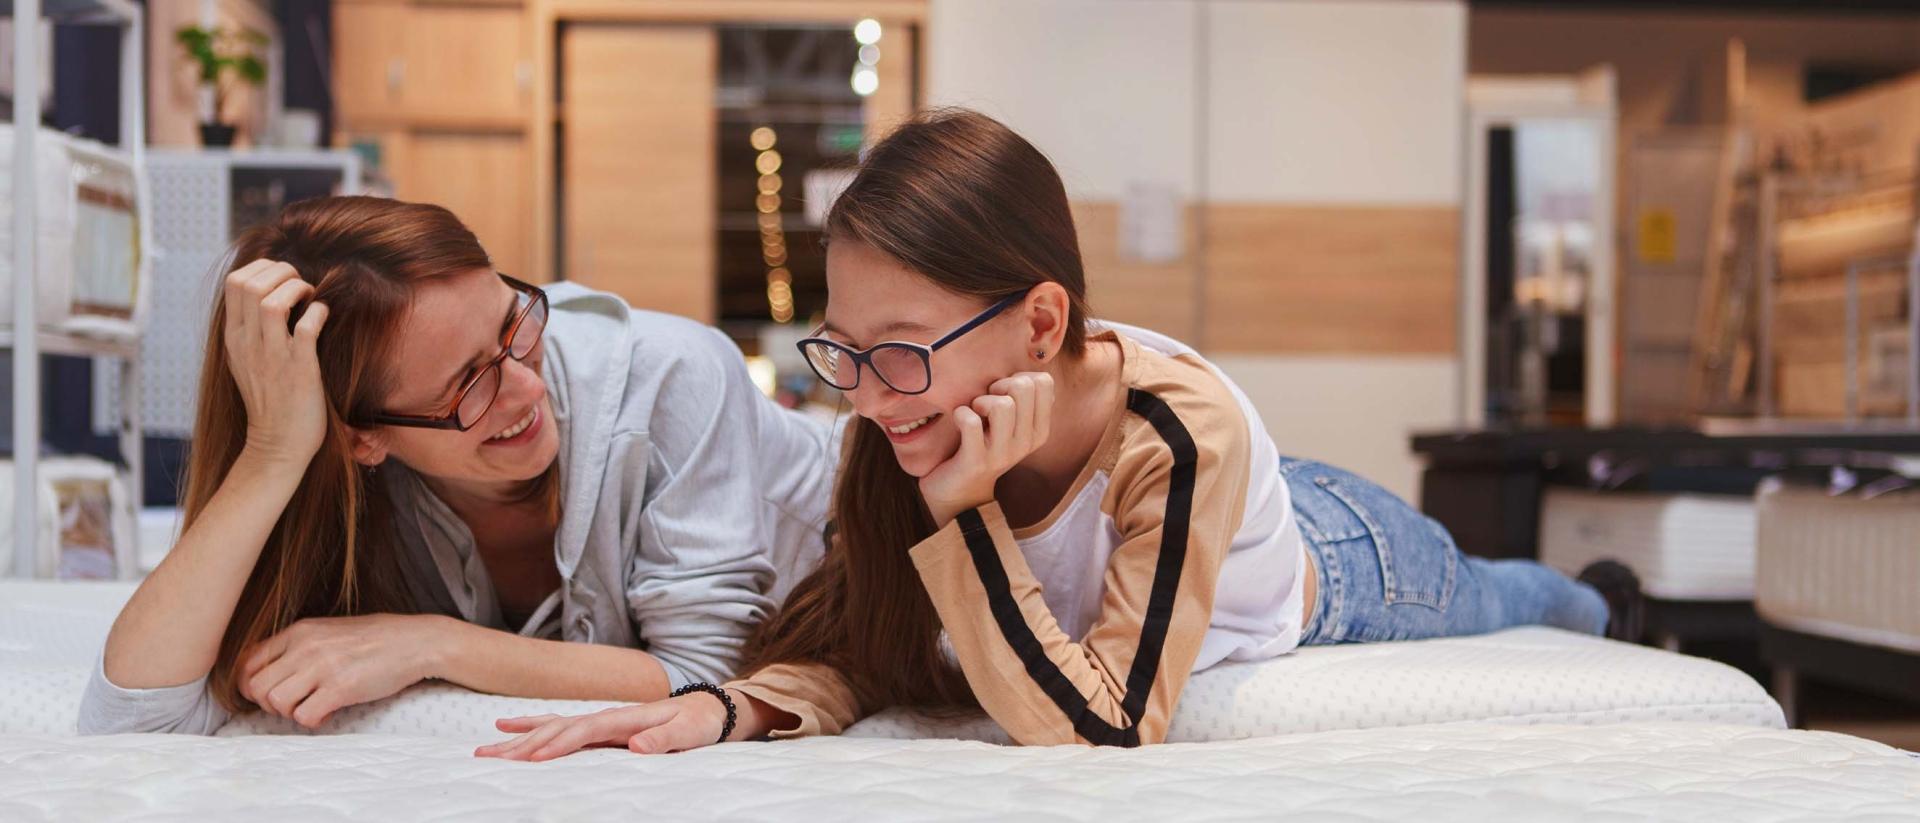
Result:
{"points": [[1159, 616]]}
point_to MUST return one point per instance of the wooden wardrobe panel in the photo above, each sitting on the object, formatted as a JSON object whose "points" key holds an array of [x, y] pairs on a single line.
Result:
{"points": [[468, 64], [482, 179], [369, 46], [637, 154], [1332, 278], [1153, 295]]}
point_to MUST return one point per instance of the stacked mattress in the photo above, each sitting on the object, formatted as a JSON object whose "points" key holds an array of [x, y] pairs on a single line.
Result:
{"points": [[1841, 566], [1682, 546]]}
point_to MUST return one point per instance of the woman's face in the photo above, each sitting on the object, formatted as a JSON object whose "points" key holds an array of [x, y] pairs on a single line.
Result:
{"points": [[872, 298], [456, 325]]}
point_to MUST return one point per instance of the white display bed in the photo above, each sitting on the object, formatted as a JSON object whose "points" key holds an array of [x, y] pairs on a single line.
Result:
{"points": [[1530, 724], [1474, 772], [1688, 547]]}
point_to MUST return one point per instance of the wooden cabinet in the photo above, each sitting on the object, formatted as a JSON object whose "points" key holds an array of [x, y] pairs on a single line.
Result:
{"points": [[483, 178], [637, 159], [467, 64], [444, 87], [449, 64], [368, 64]]}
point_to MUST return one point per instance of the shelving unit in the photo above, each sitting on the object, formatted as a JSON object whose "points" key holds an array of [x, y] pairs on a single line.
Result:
{"points": [[1845, 243], [27, 347]]}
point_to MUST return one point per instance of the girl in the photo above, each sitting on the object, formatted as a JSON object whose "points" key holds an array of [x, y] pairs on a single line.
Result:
{"points": [[407, 466], [1055, 521]]}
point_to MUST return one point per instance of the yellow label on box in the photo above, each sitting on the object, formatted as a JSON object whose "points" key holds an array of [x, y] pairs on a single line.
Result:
{"points": [[1656, 236]]}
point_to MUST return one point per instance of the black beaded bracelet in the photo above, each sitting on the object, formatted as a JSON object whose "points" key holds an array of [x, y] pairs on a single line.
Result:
{"points": [[733, 714]]}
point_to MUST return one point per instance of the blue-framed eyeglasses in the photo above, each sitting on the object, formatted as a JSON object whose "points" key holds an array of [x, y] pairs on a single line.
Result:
{"points": [[905, 367]]}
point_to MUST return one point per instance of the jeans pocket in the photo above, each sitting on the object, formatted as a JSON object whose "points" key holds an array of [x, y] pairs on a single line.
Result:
{"points": [[1417, 558]]}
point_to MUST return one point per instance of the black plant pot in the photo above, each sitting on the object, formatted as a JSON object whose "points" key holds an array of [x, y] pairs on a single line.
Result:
{"points": [[216, 135]]}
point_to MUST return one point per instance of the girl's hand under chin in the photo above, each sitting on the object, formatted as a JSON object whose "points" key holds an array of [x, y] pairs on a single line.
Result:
{"points": [[997, 431]]}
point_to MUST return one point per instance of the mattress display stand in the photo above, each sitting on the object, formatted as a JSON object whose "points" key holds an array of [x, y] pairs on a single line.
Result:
{"points": [[1795, 656], [1486, 487], [1672, 623]]}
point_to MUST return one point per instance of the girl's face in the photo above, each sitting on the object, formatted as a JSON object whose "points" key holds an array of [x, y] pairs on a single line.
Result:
{"points": [[872, 298], [454, 328]]}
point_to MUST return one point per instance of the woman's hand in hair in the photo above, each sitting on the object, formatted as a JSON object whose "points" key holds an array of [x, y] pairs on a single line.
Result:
{"points": [[997, 431], [273, 361], [323, 664], [689, 721]]}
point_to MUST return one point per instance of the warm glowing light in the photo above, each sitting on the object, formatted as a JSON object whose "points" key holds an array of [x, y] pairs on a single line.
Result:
{"points": [[866, 81]]}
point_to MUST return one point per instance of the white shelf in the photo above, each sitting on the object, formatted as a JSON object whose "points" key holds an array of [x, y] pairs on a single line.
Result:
{"points": [[74, 345], [82, 11], [29, 344]]}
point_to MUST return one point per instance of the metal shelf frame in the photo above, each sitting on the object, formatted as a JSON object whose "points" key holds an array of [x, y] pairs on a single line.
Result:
{"points": [[25, 336]]}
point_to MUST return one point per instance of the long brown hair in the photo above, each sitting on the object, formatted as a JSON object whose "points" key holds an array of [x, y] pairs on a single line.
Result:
{"points": [[332, 552], [962, 200]]}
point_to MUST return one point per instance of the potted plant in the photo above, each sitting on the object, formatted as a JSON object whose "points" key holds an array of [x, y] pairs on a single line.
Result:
{"points": [[225, 57]]}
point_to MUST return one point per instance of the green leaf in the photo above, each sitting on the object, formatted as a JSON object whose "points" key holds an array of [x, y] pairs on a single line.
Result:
{"points": [[252, 70], [221, 51]]}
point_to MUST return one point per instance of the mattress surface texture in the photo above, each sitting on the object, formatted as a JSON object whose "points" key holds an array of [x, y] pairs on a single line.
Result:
{"points": [[1462, 772], [51, 634]]}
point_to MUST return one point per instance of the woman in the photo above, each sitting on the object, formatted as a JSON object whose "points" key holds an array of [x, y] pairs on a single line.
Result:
{"points": [[1055, 521], [406, 466]]}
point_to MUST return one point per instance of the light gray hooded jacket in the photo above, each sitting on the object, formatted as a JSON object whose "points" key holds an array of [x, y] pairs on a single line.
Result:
{"points": [[690, 505]]}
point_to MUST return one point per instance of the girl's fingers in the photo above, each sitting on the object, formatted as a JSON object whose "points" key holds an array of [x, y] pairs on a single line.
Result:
{"points": [[519, 725], [999, 413], [531, 742], [973, 436], [1042, 408], [1026, 403], [501, 748], [1019, 388], [583, 732], [676, 735]]}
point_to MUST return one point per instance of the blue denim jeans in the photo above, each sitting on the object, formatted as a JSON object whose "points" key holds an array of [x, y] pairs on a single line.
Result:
{"points": [[1388, 572]]}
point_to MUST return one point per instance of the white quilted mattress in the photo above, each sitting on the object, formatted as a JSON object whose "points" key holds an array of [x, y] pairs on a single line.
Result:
{"points": [[1531, 724], [1476, 772], [1841, 567], [51, 633], [1681, 546]]}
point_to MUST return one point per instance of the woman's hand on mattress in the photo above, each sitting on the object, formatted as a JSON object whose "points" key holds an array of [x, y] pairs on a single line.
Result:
{"points": [[997, 431], [323, 664], [273, 361], [686, 722]]}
